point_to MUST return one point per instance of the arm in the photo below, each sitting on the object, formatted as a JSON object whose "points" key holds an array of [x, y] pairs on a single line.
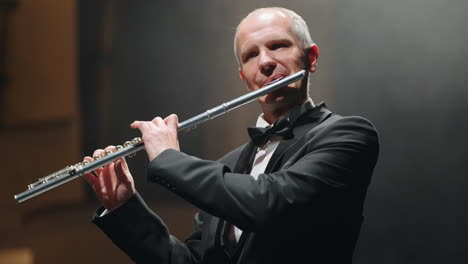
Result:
{"points": [[144, 237], [334, 164], [131, 225]]}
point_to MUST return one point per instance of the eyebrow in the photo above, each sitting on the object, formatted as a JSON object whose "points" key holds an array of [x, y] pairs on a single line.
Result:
{"points": [[269, 42], [282, 40]]}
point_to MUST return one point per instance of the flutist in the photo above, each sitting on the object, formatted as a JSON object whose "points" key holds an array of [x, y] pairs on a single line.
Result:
{"points": [[293, 194]]}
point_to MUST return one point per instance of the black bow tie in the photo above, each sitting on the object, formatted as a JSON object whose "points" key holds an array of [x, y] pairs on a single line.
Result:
{"points": [[261, 135]]}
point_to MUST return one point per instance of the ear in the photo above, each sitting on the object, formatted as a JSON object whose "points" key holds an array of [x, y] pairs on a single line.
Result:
{"points": [[241, 74], [312, 55]]}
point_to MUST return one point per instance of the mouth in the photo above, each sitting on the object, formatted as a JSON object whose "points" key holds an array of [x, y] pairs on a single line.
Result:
{"points": [[272, 79]]}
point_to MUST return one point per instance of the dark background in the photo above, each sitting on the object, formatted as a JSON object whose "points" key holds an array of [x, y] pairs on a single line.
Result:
{"points": [[402, 64]]}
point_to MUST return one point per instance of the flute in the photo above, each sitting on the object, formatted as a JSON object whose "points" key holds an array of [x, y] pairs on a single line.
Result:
{"points": [[71, 172]]}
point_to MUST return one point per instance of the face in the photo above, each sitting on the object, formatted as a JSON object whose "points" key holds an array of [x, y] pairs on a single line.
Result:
{"points": [[269, 49]]}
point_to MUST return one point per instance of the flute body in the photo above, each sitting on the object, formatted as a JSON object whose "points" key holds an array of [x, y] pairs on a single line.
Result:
{"points": [[130, 147]]}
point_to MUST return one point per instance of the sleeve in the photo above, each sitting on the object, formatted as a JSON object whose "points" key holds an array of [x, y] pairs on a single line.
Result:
{"points": [[334, 162], [144, 237]]}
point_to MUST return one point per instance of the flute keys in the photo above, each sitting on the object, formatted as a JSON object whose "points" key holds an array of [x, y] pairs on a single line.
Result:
{"points": [[108, 152], [119, 147], [190, 129], [33, 185], [80, 165], [134, 142]]}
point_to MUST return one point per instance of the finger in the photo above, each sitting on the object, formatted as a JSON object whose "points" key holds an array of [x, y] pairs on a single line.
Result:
{"points": [[143, 126], [91, 179], [98, 152], [109, 174], [89, 159], [158, 121], [136, 124], [111, 147], [122, 170], [172, 121]]}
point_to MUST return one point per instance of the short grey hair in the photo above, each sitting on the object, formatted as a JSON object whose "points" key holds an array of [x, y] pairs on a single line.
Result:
{"points": [[299, 26]]}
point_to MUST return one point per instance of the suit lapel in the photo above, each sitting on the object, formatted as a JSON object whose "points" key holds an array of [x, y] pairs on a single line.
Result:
{"points": [[244, 163], [303, 120]]}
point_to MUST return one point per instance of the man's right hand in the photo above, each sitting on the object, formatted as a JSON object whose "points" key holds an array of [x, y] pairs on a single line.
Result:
{"points": [[113, 184]]}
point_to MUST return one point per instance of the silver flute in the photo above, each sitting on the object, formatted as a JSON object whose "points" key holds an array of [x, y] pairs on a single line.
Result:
{"points": [[130, 147]]}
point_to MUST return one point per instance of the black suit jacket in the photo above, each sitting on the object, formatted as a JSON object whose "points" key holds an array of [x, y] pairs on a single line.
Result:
{"points": [[307, 208]]}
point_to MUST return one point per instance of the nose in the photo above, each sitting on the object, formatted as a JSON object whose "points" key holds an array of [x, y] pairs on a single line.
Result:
{"points": [[267, 64]]}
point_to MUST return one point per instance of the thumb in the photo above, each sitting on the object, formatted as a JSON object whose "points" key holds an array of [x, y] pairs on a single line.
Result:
{"points": [[123, 173]]}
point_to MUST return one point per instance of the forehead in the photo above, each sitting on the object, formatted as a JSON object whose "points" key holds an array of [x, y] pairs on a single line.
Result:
{"points": [[264, 25]]}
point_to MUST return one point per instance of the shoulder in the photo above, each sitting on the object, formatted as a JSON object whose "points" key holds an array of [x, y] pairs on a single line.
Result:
{"points": [[346, 130], [349, 123]]}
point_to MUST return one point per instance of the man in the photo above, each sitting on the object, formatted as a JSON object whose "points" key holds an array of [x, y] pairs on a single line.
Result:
{"points": [[294, 197]]}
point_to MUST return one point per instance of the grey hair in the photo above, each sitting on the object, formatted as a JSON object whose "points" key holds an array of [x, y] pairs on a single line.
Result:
{"points": [[299, 26]]}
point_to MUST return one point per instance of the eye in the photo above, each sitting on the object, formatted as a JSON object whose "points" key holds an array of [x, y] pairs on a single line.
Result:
{"points": [[279, 45], [250, 55]]}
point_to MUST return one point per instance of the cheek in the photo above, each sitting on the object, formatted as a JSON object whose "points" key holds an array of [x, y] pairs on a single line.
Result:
{"points": [[249, 74], [292, 60]]}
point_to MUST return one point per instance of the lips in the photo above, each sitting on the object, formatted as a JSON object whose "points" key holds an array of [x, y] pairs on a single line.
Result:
{"points": [[272, 79]]}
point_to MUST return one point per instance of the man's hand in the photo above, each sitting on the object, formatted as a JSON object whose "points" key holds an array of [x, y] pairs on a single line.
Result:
{"points": [[113, 184], [158, 134]]}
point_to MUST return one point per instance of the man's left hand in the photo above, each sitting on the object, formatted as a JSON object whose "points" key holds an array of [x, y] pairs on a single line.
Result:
{"points": [[158, 134]]}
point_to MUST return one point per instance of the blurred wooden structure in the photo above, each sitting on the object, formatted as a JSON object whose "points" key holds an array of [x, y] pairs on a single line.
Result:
{"points": [[39, 115], [40, 129]]}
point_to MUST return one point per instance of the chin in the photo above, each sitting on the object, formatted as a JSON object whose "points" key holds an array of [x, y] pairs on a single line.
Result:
{"points": [[282, 95], [278, 102], [275, 99], [283, 100]]}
